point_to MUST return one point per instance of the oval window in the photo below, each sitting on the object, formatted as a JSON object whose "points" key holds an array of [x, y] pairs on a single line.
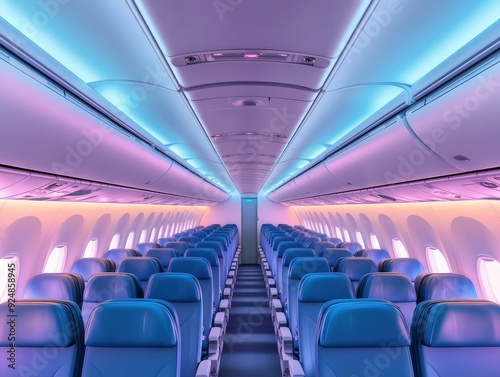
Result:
{"points": [[489, 276], [399, 248], [436, 260], [91, 249], [359, 239], [115, 241], [130, 240], [56, 259], [347, 237], [374, 241]]}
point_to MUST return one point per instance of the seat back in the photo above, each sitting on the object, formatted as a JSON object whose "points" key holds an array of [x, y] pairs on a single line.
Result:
{"points": [[288, 257], [134, 337], [307, 241], [48, 339], [201, 270], [332, 255], [183, 291], [107, 286], [438, 286], [363, 337], [179, 246], [336, 241], [211, 257], [200, 235], [319, 246], [355, 268], [313, 291], [90, 266], [456, 338], [278, 255], [191, 240], [411, 267], [164, 240], [377, 255], [141, 268], [118, 254], [392, 286], [145, 246], [351, 246], [163, 254], [56, 286]]}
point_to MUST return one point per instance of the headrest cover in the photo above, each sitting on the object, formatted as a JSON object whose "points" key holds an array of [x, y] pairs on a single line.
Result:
{"points": [[389, 286], [111, 285], [90, 266], [360, 323], [143, 267], [39, 324], [446, 286], [173, 287], [214, 245], [376, 254], [209, 254], [411, 267], [285, 245], [53, 286], [463, 324], [198, 267], [296, 252], [301, 266], [132, 323], [322, 287], [356, 268]]}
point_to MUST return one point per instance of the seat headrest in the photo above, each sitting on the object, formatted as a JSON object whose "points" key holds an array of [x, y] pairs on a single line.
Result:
{"points": [[145, 246], [204, 252], [322, 287], [179, 246], [462, 324], [40, 323], [174, 287], [285, 245], [336, 241], [304, 265], [132, 323], [390, 286], [111, 285], [296, 252], [437, 286], [355, 268], [332, 255], [61, 286], [164, 240], [411, 267], [351, 246], [362, 323], [143, 267], [307, 241], [163, 254], [376, 254], [90, 266], [215, 245], [319, 246], [119, 254], [196, 266], [277, 239]]}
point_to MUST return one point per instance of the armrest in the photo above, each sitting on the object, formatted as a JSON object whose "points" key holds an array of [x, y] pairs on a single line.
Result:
{"points": [[271, 282], [229, 282], [276, 305], [286, 340], [215, 340], [280, 320], [273, 292], [224, 306], [220, 321], [295, 369], [227, 294], [204, 369]]}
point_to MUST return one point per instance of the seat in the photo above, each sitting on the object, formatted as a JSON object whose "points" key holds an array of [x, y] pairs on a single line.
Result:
{"points": [[307, 241], [288, 256], [141, 268], [192, 241], [355, 268], [313, 291], [145, 246], [437, 286], [106, 286], [129, 338], [377, 255], [392, 286], [411, 267], [183, 291], [362, 337], [164, 240], [57, 286], [48, 339], [278, 255], [91, 266], [456, 338], [178, 246], [213, 260], [319, 246], [200, 235], [219, 250], [163, 254], [118, 254], [352, 246], [332, 255], [201, 270], [300, 235], [336, 241]]}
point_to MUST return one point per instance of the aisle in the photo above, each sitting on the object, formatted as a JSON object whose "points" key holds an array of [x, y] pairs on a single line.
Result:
{"points": [[250, 344]]}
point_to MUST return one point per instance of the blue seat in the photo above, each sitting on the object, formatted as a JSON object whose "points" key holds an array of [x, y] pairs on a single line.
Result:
{"points": [[48, 339], [163, 254], [336, 241], [192, 241], [278, 255], [178, 246], [58, 286], [91, 266], [118, 254], [183, 291], [307, 241], [437, 286], [377, 255], [355, 268], [411, 267], [362, 337], [332, 255], [300, 235], [219, 250], [201, 270], [141, 268], [135, 337], [200, 235], [319, 246], [145, 246], [314, 290], [213, 260], [456, 339], [164, 240], [288, 256], [351, 246], [392, 286], [106, 286]]}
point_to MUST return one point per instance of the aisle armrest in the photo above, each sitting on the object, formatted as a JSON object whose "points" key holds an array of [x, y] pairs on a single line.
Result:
{"points": [[295, 369]]}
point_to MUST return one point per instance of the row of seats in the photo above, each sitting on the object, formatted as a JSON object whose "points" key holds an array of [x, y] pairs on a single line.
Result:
{"points": [[311, 285]]}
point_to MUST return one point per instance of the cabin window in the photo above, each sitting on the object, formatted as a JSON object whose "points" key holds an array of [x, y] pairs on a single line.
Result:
{"points": [[489, 276], [115, 241], [9, 277], [436, 260], [338, 232], [143, 236], [130, 240], [347, 237], [327, 230], [161, 233], [374, 241], [152, 237], [399, 248], [56, 259], [91, 249], [359, 238]]}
